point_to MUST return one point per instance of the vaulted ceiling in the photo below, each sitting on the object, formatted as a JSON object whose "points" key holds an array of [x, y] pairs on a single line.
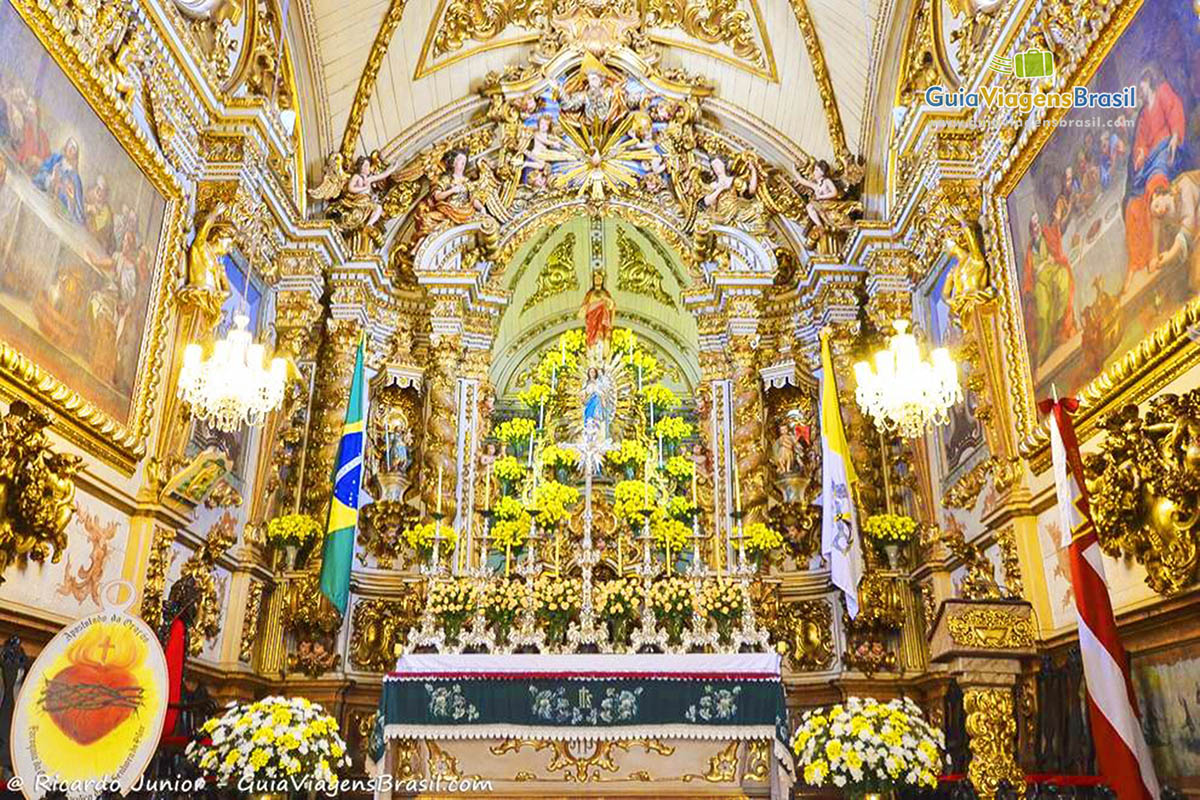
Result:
{"points": [[767, 59]]}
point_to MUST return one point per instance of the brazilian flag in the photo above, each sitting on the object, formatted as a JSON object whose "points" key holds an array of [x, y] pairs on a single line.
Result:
{"points": [[343, 504]]}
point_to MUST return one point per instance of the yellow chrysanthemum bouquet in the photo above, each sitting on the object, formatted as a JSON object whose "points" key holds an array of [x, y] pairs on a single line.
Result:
{"points": [[276, 742], [561, 461], [502, 602], [760, 541], [633, 502], [293, 533], [516, 434], [863, 746], [421, 539], [628, 458], [890, 532], [553, 501]]}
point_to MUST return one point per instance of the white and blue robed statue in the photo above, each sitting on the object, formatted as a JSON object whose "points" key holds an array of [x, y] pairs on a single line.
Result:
{"points": [[599, 402]]}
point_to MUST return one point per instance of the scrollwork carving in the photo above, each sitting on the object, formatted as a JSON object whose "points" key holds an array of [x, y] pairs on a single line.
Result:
{"points": [[992, 728], [378, 627], [37, 489], [991, 628], [1144, 487]]}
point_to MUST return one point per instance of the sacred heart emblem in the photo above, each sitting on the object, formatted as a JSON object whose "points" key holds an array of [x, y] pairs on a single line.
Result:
{"points": [[93, 695]]}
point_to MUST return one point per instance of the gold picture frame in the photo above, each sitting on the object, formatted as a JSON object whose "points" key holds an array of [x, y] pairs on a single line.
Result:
{"points": [[120, 443], [1135, 375]]}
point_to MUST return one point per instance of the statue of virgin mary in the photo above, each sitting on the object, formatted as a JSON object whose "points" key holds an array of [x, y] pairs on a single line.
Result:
{"points": [[599, 403]]}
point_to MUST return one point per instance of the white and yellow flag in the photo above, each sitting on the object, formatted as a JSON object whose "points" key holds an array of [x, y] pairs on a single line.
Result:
{"points": [[839, 523]]}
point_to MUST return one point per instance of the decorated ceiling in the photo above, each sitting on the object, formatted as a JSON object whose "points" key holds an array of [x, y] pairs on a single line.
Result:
{"points": [[394, 73]]}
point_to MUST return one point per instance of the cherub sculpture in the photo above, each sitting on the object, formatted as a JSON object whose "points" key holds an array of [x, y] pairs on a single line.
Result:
{"points": [[351, 197]]}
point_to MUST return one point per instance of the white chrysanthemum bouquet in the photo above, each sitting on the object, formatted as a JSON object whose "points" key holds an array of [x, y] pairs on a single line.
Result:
{"points": [[273, 740], [864, 746]]}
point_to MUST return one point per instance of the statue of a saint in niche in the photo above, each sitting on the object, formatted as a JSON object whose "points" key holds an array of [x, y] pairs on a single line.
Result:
{"points": [[597, 312]]}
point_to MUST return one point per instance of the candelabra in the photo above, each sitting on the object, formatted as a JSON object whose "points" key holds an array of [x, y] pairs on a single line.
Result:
{"points": [[904, 393]]}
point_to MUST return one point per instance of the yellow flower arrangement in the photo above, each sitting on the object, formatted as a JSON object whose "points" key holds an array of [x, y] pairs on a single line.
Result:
{"points": [[647, 362], [633, 502], [760, 538], [680, 508], [552, 501], [679, 468], [509, 468], [452, 602], [862, 745], [618, 603], [631, 451], [510, 534], [535, 395], [262, 741], [556, 602], [420, 538], [293, 529], [890, 528], [574, 341], [509, 508], [672, 429], [667, 531], [555, 456], [660, 396], [502, 601], [721, 602], [673, 602], [624, 341], [516, 430], [556, 362]]}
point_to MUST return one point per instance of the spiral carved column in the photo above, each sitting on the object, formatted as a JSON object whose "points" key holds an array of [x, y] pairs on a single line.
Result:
{"points": [[441, 415], [748, 432], [329, 410]]}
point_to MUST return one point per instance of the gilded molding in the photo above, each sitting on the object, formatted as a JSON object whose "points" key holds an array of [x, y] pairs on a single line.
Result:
{"points": [[156, 576], [991, 629], [558, 273], [370, 73], [991, 729], [816, 58], [254, 596], [637, 275]]}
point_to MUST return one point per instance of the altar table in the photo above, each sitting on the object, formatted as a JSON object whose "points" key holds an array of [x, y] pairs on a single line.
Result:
{"points": [[693, 725]]}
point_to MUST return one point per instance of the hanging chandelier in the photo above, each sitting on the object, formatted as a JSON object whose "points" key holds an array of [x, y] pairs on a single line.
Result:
{"points": [[234, 385], [904, 393]]}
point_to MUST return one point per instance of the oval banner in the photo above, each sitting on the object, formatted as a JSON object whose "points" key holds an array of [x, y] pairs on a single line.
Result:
{"points": [[91, 710]]}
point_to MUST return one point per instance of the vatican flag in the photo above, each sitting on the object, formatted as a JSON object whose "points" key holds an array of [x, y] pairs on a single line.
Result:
{"points": [[343, 502], [839, 526]]}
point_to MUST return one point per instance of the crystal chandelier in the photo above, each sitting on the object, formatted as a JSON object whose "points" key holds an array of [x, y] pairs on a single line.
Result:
{"points": [[904, 393], [234, 385]]}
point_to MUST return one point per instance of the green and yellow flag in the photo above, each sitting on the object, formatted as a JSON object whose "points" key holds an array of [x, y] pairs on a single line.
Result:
{"points": [[343, 503]]}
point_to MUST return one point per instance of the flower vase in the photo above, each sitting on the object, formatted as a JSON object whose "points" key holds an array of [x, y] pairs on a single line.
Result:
{"points": [[452, 628], [892, 551], [630, 471], [671, 447], [506, 487], [618, 628], [562, 473], [725, 632], [674, 627], [290, 552], [519, 448], [556, 633]]}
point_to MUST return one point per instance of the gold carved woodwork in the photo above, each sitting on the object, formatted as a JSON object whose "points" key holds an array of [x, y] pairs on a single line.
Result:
{"points": [[582, 761], [1144, 489], [306, 612], [979, 582], [637, 275], [557, 275], [804, 627], [156, 576], [722, 767], [758, 761], [37, 489], [443, 765], [991, 730], [336, 368], [816, 57], [254, 596], [379, 532], [465, 20], [378, 628], [711, 21], [441, 427], [990, 628], [201, 569], [313, 658], [749, 448]]}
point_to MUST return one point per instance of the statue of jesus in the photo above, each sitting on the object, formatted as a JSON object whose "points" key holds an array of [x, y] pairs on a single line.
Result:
{"points": [[597, 311]]}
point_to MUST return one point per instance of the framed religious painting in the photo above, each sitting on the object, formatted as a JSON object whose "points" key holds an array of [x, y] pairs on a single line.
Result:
{"points": [[1103, 211], [960, 444], [89, 215]]}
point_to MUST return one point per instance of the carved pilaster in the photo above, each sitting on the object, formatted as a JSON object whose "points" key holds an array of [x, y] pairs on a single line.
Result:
{"points": [[889, 286], [335, 371], [749, 442], [441, 429], [992, 730]]}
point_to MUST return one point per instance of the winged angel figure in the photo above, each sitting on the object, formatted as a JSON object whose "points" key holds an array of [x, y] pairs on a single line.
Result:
{"points": [[351, 196]]}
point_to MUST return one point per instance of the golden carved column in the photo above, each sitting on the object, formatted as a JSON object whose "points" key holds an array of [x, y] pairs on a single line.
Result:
{"points": [[749, 440], [335, 371], [441, 424], [983, 643]]}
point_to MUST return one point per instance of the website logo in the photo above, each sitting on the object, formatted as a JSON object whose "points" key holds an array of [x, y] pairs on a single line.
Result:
{"points": [[1030, 64]]}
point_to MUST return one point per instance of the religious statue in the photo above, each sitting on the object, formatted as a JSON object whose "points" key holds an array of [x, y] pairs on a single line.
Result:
{"points": [[732, 196], [969, 282], [545, 147], [207, 284], [783, 450], [597, 312], [451, 200], [599, 402], [352, 203], [597, 101]]}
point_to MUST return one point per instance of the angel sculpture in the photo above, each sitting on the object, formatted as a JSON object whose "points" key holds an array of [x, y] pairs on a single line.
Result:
{"points": [[732, 197], [351, 195], [451, 200], [829, 210]]}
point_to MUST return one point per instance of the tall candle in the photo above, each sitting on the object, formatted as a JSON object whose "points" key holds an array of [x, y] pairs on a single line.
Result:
{"points": [[541, 413], [487, 487], [695, 502], [439, 490], [639, 377], [737, 487], [532, 445]]}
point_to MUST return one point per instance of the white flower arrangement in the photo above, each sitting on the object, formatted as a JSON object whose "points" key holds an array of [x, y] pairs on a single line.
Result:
{"points": [[273, 739], [864, 745]]}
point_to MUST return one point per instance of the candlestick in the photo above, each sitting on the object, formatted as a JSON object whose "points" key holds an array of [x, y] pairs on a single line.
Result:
{"points": [[507, 559], [639, 377], [487, 488], [541, 413], [439, 490], [532, 445], [695, 502], [620, 555], [437, 539], [737, 486], [562, 350], [660, 449], [557, 547]]}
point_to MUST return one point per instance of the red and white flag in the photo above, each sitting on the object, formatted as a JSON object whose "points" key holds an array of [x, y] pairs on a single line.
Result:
{"points": [[1121, 752]]}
